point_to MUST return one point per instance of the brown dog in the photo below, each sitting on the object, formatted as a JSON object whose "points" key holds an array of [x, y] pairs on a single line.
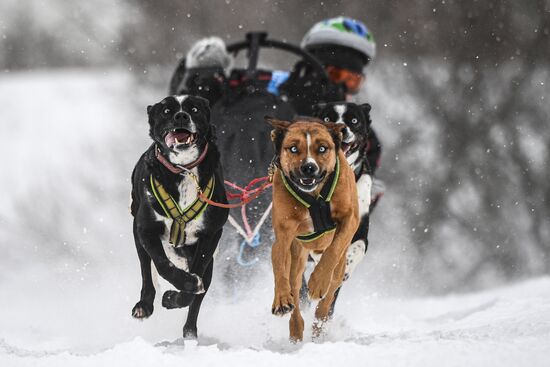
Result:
{"points": [[315, 212]]}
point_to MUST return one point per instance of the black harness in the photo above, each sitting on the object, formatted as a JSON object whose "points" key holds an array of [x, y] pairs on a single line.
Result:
{"points": [[319, 208]]}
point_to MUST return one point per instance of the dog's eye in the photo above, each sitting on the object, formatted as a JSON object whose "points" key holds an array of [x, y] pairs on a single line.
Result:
{"points": [[194, 110], [353, 120], [322, 149], [326, 119], [166, 111], [293, 149]]}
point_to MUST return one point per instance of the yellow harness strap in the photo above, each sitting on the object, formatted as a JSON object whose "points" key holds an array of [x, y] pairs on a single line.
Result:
{"points": [[180, 217]]}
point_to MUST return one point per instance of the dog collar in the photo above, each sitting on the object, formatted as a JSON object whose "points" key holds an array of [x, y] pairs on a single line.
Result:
{"points": [[319, 208], [179, 169]]}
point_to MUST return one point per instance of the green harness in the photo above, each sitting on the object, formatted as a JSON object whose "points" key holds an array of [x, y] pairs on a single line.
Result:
{"points": [[180, 217], [319, 208]]}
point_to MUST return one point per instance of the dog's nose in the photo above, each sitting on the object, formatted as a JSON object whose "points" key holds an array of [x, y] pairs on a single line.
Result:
{"points": [[309, 169], [345, 132], [181, 117]]}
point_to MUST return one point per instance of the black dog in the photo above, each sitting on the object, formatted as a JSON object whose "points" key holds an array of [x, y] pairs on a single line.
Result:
{"points": [[173, 226], [362, 150]]}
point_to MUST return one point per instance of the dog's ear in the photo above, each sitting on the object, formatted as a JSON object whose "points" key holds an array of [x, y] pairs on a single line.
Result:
{"points": [[277, 124], [204, 101], [278, 133], [317, 108], [204, 105], [335, 131], [150, 120], [365, 107]]}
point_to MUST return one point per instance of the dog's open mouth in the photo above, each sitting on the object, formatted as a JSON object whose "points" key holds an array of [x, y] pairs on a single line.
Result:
{"points": [[179, 137], [308, 181], [345, 147], [349, 148], [308, 184]]}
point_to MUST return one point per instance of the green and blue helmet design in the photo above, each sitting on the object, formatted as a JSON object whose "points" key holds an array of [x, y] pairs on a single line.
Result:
{"points": [[341, 31]]}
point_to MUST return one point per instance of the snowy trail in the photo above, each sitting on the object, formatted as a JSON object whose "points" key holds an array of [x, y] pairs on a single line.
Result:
{"points": [[69, 280], [507, 327]]}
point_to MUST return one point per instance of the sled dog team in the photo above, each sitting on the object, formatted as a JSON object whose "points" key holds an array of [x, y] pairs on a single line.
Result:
{"points": [[178, 201], [321, 174]]}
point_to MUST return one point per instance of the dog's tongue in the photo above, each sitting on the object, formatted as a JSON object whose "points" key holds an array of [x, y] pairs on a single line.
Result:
{"points": [[345, 147], [170, 139]]}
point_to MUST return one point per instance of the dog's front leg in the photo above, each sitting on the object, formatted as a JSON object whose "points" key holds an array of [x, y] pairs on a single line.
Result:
{"points": [[205, 251], [283, 302], [320, 279], [201, 261], [190, 327], [144, 308], [149, 236]]}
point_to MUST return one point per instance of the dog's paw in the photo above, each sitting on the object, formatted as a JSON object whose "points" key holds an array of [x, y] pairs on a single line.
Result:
{"points": [[174, 299], [189, 333], [318, 331], [171, 299], [191, 283], [282, 304], [296, 328], [318, 285], [142, 310]]}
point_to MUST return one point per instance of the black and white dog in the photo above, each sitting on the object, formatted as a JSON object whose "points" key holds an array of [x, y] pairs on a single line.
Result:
{"points": [[362, 150], [173, 226]]}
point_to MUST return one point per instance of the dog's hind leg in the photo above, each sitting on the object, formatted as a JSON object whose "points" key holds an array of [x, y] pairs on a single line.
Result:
{"points": [[333, 304], [297, 266], [144, 308], [354, 255], [323, 308], [305, 301], [190, 327]]}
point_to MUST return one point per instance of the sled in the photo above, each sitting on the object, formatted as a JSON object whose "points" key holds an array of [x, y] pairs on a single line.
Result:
{"points": [[243, 136]]}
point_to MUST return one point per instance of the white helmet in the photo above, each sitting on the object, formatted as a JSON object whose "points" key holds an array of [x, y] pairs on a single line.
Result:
{"points": [[343, 32]]}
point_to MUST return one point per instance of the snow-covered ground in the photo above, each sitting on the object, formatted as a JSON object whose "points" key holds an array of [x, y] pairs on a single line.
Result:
{"points": [[503, 327], [69, 274]]}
